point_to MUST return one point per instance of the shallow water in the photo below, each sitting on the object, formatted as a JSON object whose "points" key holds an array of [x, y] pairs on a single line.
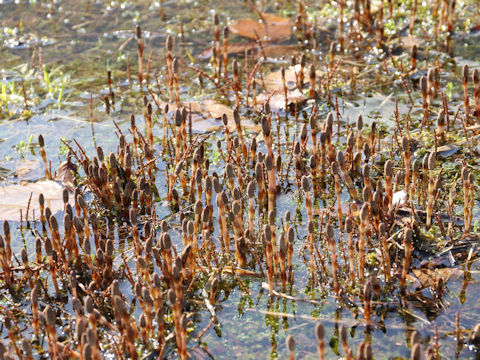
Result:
{"points": [[81, 40]]}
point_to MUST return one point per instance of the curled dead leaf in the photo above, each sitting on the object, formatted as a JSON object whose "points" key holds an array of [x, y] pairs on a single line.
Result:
{"points": [[65, 173]]}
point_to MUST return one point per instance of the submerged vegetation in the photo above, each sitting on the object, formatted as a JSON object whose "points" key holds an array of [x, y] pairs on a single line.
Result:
{"points": [[300, 180]]}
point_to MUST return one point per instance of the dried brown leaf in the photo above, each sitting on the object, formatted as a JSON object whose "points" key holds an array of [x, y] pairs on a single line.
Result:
{"points": [[273, 29], [14, 198]]}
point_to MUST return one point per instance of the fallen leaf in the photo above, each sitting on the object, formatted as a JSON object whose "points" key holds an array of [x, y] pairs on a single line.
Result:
{"points": [[409, 41], [14, 198], [207, 117], [65, 173], [217, 110], [277, 100], [273, 84], [273, 28], [30, 170], [445, 150], [429, 277], [273, 81]]}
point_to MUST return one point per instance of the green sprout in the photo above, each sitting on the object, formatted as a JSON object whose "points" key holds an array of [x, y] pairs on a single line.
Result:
{"points": [[22, 147]]}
